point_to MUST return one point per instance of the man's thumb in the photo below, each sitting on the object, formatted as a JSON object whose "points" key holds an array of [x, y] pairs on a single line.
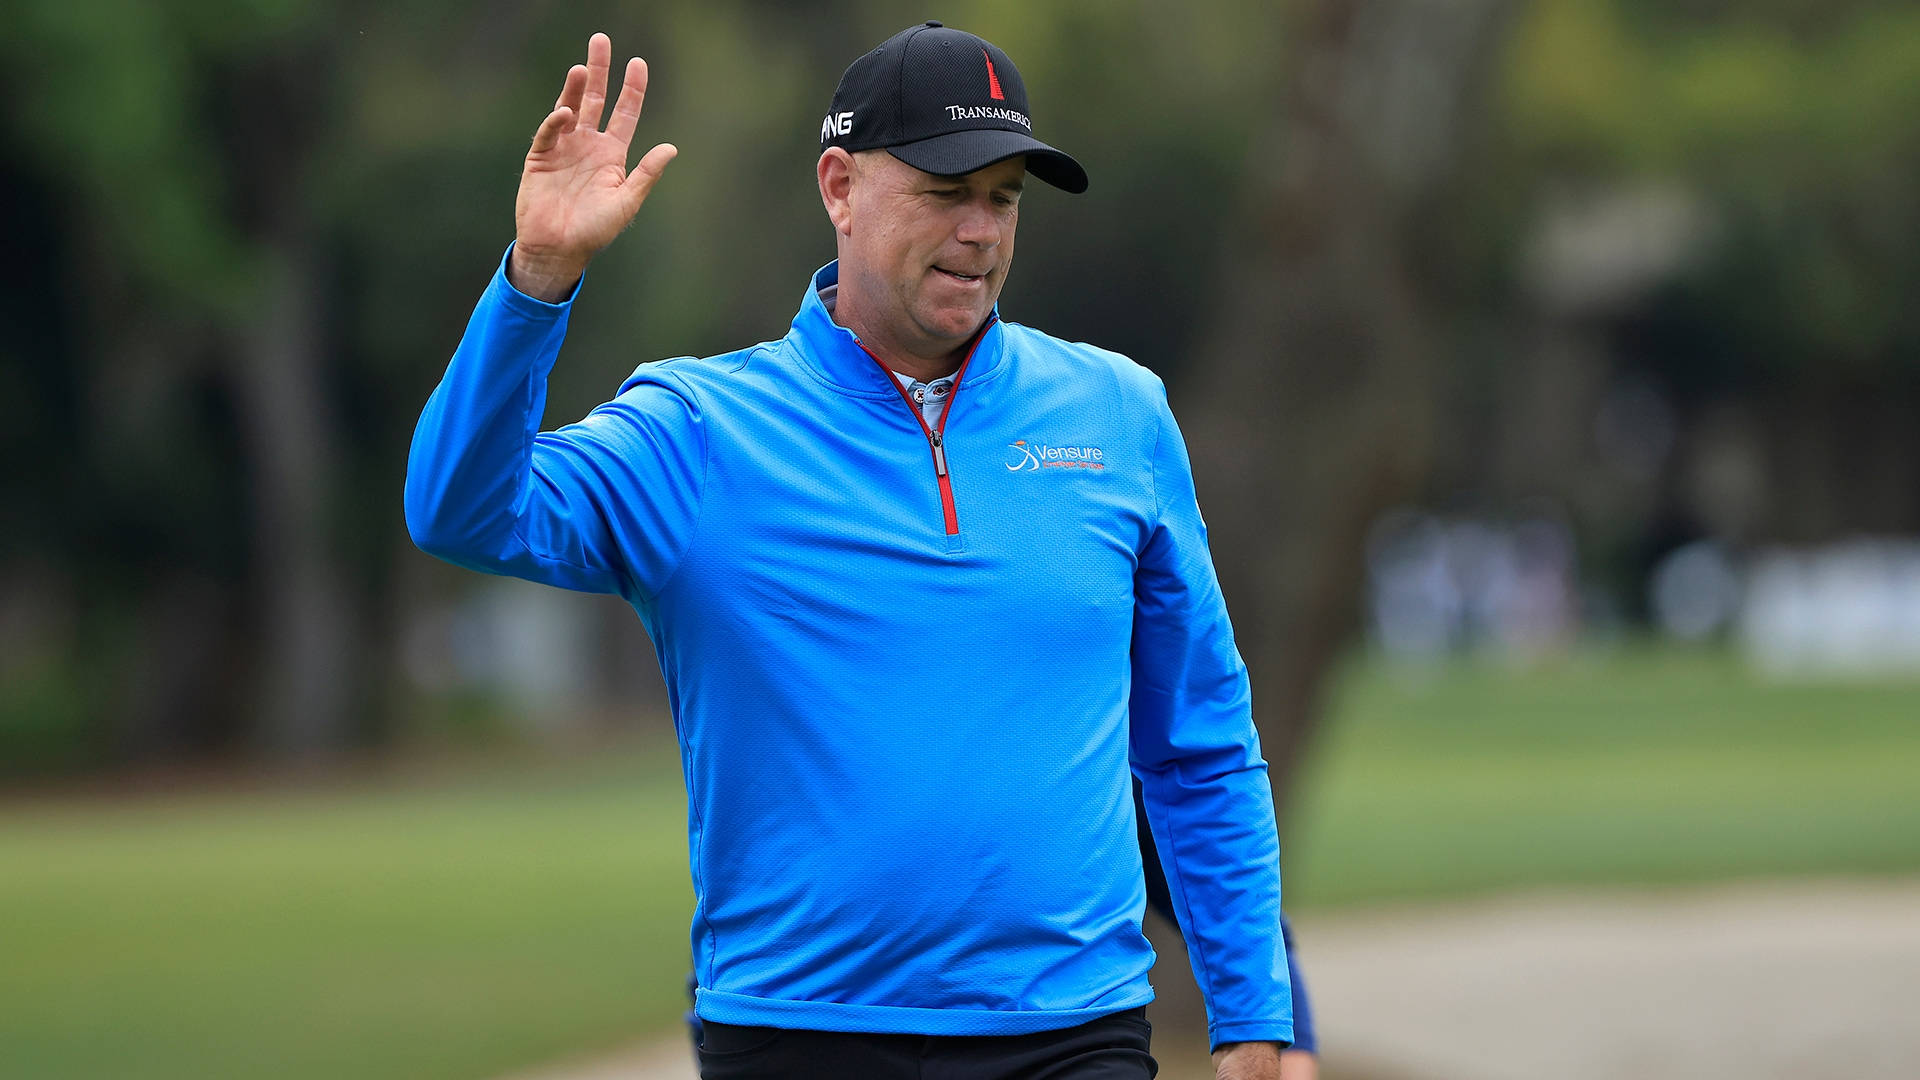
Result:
{"points": [[647, 171]]}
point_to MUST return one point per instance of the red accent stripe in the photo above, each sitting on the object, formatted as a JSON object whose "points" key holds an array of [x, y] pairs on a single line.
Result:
{"points": [[948, 511], [993, 79]]}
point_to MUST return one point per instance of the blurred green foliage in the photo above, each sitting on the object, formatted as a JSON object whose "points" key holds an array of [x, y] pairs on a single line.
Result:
{"points": [[1793, 120], [254, 229]]}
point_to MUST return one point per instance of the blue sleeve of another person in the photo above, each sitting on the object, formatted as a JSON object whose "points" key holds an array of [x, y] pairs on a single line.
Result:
{"points": [[1304, 1037]]}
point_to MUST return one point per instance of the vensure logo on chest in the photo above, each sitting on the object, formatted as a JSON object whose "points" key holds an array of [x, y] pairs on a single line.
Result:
{"points": [[1025, 456]]}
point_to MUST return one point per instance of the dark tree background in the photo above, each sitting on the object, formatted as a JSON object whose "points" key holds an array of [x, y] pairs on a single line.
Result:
{"points": [[1384, 253]]}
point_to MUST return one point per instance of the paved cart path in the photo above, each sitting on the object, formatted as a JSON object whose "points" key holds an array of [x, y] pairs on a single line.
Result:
{"points": [[1761, 981]]}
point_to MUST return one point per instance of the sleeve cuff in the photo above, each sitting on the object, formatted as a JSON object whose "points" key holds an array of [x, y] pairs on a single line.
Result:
{"points": [[523, 304], [1277, 1031]]}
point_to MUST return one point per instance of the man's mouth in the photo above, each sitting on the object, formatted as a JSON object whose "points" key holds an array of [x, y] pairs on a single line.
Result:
{"points": [[957, 276]]}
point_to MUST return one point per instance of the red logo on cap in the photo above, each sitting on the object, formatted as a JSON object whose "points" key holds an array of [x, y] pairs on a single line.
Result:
{"points": [[993, 79]]}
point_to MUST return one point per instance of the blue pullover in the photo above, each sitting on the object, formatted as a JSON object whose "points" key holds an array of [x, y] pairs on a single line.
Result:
{"points": [[876, 847]]}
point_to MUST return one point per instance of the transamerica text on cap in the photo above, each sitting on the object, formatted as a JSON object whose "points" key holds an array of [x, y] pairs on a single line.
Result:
{"points": [[987, 112]]}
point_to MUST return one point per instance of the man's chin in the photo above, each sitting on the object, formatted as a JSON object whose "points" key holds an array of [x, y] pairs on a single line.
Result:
{"points": [[955, 324]]}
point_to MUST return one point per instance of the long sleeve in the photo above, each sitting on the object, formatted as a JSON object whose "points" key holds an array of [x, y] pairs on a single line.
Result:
{"points": [[1160, 900], [1203, 781], [603, 505]]}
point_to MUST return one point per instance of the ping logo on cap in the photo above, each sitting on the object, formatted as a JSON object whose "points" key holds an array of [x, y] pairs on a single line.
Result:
{"points": [[993, 79], [921, 97]]}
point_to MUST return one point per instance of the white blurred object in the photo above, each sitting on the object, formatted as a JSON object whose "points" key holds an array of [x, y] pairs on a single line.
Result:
{"points": [[1438, 585], [1695, 590], [528, 643], [1595, 249], [1851, 608]]}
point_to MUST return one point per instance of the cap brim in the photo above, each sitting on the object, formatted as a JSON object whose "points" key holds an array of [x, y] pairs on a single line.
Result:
{"points": [[960, 152]]}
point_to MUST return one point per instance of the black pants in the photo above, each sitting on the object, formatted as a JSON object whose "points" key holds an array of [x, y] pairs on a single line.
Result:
{"points": [[1112, 1047]]}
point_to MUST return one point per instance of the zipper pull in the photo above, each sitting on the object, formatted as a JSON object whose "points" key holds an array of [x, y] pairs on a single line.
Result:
{"points": [[939, 454]]}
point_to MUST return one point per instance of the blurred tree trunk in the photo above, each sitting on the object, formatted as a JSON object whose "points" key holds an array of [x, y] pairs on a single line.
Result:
{"points": [[313, 632], [1315, 402], [304, 605]]}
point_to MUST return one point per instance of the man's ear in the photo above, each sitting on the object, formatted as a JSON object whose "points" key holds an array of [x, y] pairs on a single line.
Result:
{"points": [[836, 172]]}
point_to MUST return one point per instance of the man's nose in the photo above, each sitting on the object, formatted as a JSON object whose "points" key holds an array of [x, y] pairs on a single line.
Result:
{"points": [[980, 226]]}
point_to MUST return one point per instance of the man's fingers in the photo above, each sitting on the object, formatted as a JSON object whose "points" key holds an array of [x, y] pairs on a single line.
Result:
{"points": [[549, 131], [641, 179], [626, 108], [599, 57], [572, 90]]}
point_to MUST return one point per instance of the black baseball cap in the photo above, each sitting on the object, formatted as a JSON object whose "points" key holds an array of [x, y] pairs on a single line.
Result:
{"points": [[943, 101]]}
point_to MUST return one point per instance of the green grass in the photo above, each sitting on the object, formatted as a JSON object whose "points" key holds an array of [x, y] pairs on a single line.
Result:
{"points": [[466, 927], [451, 931], [1635, 768]]}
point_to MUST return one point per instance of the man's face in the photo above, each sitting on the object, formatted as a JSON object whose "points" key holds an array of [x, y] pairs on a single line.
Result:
{"points": [[931, 252]]}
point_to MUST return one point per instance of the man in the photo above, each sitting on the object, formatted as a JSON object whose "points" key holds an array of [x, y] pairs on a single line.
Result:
{"points": [[927, 589]]}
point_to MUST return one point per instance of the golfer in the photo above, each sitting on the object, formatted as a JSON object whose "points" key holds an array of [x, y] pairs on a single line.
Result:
{"points": [[928, 589]]}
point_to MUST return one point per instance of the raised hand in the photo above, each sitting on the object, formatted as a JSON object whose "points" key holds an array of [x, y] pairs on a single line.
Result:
{"points": [[576, 192]]}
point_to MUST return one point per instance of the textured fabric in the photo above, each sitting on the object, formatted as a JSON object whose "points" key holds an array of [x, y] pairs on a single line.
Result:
{"points": [[1160, 899], [874, 848], [1113, 1047]]}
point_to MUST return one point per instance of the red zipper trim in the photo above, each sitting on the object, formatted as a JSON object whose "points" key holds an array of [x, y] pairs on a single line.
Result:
{"points": [[936, 435]]}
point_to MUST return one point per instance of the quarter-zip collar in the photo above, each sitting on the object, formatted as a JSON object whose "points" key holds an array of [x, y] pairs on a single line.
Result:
{"points": [[836, 355]]}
